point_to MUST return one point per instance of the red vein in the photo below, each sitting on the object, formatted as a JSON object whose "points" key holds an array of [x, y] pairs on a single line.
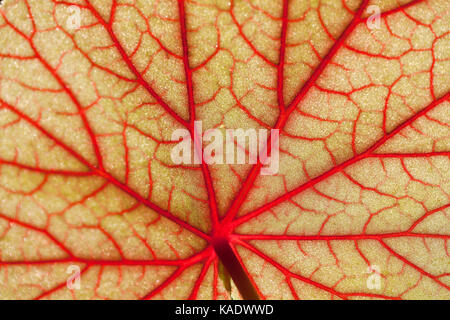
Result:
{"points": [[426, 215], [249, 43], [130, 64], [46, 171], [190, 87], [288, 273], [350, 237], [182, 264], [108, 177], [280, 67], [197, 258], [336, 169], [409, 263], [242, 195], [398, 9], [201, 277], [123, 262], [58, 287], [45, 232], [167, 282], [63, 85], [409, 155]]}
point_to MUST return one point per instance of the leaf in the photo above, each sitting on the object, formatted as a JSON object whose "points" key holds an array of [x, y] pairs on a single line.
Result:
{"points": [[359, 208]]}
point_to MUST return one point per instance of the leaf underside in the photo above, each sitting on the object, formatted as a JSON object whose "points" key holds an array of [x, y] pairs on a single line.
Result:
{"points": [[86, 177]]}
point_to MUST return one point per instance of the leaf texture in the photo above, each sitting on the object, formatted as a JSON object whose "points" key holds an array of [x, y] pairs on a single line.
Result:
{"points": [[86, 177]]}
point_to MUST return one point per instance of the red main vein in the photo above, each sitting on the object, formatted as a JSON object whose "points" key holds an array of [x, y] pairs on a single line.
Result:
{"points": [[282, 119]]}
